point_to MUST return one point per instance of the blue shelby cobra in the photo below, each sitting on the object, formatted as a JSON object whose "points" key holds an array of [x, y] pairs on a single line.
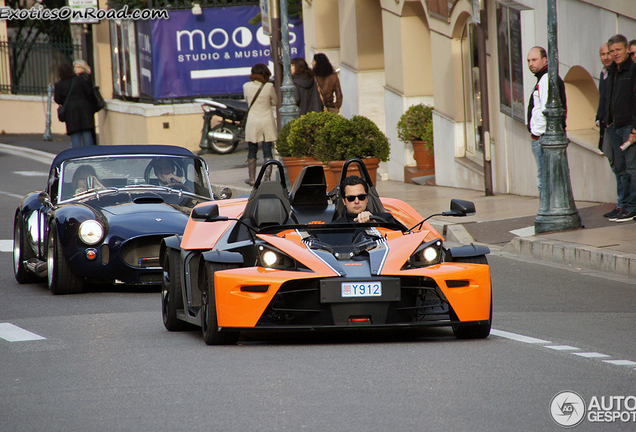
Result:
{"points": [[104, 213]]}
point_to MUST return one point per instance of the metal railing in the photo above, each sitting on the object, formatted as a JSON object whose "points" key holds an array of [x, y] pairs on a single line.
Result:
{"points": [[27, 68]]}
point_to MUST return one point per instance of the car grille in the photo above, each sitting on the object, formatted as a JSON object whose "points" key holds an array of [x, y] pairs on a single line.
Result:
{"points": [[142, 252]]}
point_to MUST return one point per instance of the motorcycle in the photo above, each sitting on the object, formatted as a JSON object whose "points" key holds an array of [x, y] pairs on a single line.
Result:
{"points": [[224, 137]]}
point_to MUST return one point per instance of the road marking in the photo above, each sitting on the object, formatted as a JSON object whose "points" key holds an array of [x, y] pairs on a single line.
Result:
{"points": [[13, 333], [562, 347], [621, 362], [35, 155], [32, 173], [518, 337], [591, 355], [6, 245], [12, 194], [523, 232]]}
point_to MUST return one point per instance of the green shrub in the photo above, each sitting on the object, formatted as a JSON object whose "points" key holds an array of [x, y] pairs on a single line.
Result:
{"points": [[416, 124], [342, 139], [282, 143], [304, 130]]}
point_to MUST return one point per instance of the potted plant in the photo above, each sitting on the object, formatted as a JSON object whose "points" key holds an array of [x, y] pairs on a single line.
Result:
{"points": [[341, 139], [297, 140], [416, 126]]}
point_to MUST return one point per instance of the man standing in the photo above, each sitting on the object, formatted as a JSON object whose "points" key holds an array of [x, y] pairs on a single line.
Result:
{"points": [[620, 117], [538, 65], [606, 59]]}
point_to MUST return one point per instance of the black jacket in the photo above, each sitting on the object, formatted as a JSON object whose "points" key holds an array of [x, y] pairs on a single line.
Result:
{"points": [[620, 107], [306, 95], [80, 108]]}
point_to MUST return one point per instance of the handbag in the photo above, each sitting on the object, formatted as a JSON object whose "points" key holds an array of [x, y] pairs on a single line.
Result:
{"points": [[244, 121], [100, 103], [61, 111]]}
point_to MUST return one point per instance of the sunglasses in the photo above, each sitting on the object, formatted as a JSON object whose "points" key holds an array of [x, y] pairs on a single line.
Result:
{"points": [[352, 198]]}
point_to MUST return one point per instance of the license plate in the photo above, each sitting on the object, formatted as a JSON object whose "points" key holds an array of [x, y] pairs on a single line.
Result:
{"points": [[361, 289]]}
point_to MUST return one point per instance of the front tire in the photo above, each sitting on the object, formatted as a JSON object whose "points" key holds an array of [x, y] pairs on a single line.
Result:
{"points": [[21, 253], [474, 331], [223, 147], [60, 278], [171, 294], [212, 335]]}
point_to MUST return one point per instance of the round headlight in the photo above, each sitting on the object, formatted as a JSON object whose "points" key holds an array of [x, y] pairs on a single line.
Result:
{"points": [[91, 232], [430, 254], [269, 258]]}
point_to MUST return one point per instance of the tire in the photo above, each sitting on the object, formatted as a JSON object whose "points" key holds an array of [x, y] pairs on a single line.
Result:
{"points": [[209, 325], [21, 253], [474, 331], [60, 278], [223, 147], [171, 294]]}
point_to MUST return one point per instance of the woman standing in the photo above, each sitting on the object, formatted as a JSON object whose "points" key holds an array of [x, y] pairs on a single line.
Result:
{"points": [[75, 92], [328, 83], [306, 90], [261, 126]]}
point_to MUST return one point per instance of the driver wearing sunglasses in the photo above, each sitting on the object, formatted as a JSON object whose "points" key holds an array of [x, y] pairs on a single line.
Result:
{"points": [[355, 198]]}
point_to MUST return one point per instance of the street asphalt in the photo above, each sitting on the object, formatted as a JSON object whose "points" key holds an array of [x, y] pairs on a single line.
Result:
{"points": [[504, 222]]}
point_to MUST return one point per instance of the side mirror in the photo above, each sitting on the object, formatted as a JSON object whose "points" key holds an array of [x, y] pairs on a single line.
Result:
{"points": [[226, 193], [460, 208], [205, 212], [44, 199]]}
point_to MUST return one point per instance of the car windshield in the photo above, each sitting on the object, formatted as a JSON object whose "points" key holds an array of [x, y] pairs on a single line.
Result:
{"points": [[79, 176]]}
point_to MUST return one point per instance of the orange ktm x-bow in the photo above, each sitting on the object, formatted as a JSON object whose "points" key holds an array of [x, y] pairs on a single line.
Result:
{"points": [[276, 260]]}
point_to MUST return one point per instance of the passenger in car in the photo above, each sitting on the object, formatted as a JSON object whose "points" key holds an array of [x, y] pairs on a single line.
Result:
{"points": [[166, 172], [85, 179]]}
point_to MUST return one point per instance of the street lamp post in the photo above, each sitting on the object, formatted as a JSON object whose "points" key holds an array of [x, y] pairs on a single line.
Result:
{"points": [[289, 110], [557, 211]]}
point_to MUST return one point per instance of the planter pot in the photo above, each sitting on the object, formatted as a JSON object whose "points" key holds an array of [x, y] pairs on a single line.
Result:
{"points": [[372, 165], [293, 166], [423, 156], [328, 174]]}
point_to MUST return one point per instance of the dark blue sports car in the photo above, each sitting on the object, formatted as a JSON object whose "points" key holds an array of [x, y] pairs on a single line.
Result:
{"points": [[103, 214]]}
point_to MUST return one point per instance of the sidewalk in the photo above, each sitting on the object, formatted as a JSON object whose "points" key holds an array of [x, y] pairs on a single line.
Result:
{"points": [[504, 222]]}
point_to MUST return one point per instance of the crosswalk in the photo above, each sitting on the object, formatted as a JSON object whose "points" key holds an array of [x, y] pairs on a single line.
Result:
{"points": [[6, 245], [13, 333]]}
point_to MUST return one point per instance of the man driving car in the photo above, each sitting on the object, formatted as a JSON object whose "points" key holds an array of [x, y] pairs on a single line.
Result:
{"points": [[165, 170], [355, 196]]}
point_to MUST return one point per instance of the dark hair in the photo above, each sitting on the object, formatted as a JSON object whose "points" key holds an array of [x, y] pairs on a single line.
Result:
{"points": [[542, 52], [352, 181], [82, 172], [302, 68], [65, 71], [323, 67], [617, 38], [260, 72], [632, 42]]}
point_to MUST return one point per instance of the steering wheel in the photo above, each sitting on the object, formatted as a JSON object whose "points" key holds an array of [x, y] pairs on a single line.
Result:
{"points": [[378, 218]]}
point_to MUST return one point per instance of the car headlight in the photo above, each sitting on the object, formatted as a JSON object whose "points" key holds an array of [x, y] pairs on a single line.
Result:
{"points": [[91, 232], [275, 259], [426, 254]]}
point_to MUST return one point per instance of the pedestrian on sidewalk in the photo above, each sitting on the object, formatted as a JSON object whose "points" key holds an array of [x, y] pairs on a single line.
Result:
{"points": [[538, 65], [74, 91], [328, 83], [620, 117], [604, 143], [260, 125], [306, 91]]}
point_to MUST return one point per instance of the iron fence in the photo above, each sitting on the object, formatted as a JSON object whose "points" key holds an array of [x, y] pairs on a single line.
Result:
{"points": [[28, 68]]}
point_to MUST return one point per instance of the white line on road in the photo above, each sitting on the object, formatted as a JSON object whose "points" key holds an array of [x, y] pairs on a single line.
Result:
{"points": [[36, 155], [591, 355], [621, 362], [13, 333], [12, 194], [562, 347], [518, 337], [6, 245]]}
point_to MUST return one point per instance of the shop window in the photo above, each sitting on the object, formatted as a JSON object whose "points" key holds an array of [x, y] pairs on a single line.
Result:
{"points": [[471, 93]]}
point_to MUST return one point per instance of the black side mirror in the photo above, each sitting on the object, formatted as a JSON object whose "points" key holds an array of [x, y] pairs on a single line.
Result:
{"points": [[44, 199], [205, 212], [460, 208], [226, 193]]}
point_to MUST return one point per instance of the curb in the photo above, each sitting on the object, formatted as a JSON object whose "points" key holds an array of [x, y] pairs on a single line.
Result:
{"points": [[588, 257]]}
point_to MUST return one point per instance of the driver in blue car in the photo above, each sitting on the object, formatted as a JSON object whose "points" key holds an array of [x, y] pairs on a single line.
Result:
{"points": [[355, 196], [166, 170]]}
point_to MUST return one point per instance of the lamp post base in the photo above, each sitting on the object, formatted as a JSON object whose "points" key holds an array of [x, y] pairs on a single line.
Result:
{"points": [[553, 223]]}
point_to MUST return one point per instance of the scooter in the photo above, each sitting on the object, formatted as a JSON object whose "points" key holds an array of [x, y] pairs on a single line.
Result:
{"points": [[224, 137]]}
